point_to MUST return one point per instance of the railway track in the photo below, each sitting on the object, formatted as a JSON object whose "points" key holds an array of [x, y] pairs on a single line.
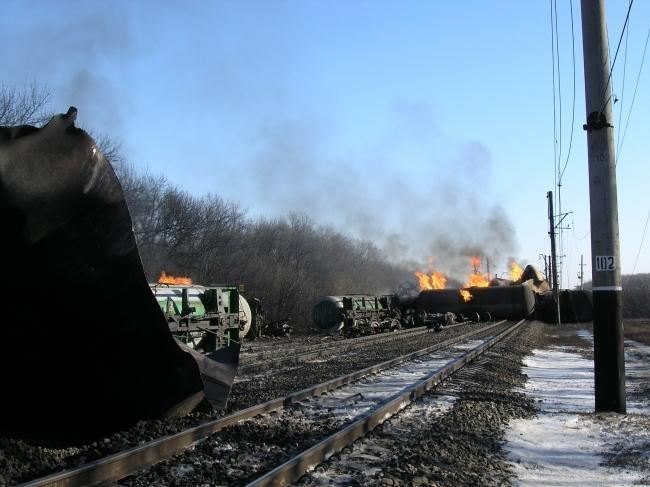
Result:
{"points": [[260, 361], [265, 360], [315, 343], [125, 463], [298, 465]]}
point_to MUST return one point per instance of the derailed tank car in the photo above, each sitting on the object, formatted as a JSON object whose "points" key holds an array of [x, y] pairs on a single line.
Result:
{"points": [[500, 302], [195, 312], [357, 314], [576, 306], [505, 303]]}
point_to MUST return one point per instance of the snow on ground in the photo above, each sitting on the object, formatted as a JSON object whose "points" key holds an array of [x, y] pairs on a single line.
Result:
{"points": [[567, 444]]}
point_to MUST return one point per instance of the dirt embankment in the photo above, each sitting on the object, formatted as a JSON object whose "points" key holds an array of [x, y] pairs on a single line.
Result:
{"points": [[638, 330]]}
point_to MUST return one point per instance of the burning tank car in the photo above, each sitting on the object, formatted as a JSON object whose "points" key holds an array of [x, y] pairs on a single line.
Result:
{"points": [[528, 297], [494, 302]]}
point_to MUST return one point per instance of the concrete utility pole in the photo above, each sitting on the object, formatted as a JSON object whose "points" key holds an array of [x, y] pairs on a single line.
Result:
{"points": [[609, 365], [554, 281]]}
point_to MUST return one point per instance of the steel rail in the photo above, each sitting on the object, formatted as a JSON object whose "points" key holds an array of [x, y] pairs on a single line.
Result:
{"points": [[333, 344], [321, 350], [127, 462], [296, 467]]}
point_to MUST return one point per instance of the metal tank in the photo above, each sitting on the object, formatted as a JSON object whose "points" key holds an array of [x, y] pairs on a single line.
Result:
{"points": [[357, 314], [170, 300], [576, 306], [245, 317], [328, 312], [501, 302], [442, 301], [509, 302]]}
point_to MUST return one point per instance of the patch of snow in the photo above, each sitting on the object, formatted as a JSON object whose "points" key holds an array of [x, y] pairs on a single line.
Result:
{"points": [[562, 449], [180, 471], [567, 444], [560, 381]]}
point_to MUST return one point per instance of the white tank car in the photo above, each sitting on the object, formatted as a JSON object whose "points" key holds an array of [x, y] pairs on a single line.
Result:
{"points": [[245, 317], [169, 300]]}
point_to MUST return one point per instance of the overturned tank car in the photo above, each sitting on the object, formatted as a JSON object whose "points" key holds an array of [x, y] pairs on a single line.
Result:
{"points": [[203, 317], [512, 302], [357, 314], [95, 352]]}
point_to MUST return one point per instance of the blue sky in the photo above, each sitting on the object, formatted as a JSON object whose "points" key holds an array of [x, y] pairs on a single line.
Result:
{"points": [[425, 126]]}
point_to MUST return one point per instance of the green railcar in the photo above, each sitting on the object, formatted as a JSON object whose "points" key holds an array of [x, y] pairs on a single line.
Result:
{"points": [[357, 314], [204, 318]]}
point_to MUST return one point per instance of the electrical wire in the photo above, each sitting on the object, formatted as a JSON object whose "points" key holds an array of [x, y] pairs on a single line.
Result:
{"points": [[573, 109], [620, 105], [636, 261], [611, 70], [636, 86]]}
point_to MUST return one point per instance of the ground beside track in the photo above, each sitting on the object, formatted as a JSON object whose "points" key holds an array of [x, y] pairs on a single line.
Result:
{"points": [[453, 435], [493, 425], [468, 428], [567, 443], [638, 330]]}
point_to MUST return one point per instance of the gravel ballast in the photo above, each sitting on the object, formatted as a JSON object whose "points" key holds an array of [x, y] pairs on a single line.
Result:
{"points": [[452, 436], [22, 460]]}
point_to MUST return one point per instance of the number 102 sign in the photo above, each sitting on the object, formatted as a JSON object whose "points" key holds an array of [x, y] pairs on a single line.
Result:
{"points": [[605, 263]]}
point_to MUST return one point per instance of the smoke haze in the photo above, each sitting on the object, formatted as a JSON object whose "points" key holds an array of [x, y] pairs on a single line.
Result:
{"points": [[441, 206], [406, 185]]}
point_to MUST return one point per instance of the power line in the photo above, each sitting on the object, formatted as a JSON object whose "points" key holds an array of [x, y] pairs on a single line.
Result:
{"points": [[636, 86], [641, 244], [573, 109], [620, 39], [620, 105]]}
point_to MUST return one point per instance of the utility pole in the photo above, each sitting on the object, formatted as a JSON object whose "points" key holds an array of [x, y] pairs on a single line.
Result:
{"points": [[581, 274], [554, 281], [609, 364]]}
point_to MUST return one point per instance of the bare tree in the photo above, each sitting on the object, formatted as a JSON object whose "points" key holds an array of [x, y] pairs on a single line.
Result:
{"points": [[287, 262], [24, 106]]}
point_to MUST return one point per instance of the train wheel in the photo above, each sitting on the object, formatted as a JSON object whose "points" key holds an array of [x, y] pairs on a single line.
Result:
{"points": [[395, 324], [360, 326], [420, 318]]}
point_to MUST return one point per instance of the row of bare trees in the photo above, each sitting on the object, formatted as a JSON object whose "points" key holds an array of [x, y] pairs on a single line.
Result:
{"points": [[286, 262]]}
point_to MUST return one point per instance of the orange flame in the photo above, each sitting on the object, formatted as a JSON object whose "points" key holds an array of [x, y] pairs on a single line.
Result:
{"points": [[435, 280], [476, 279], [515, 271], [467, 296], [165, 279], [476, 263]]}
